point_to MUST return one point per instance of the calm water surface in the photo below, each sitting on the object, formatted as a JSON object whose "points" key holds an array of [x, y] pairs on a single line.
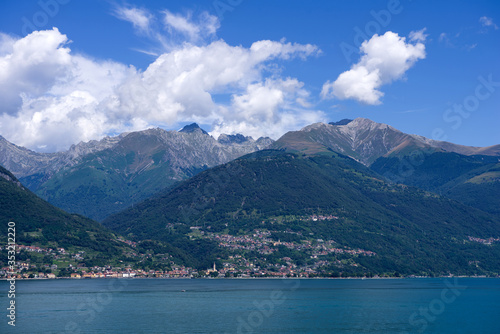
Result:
{"points": [[461, 305]]}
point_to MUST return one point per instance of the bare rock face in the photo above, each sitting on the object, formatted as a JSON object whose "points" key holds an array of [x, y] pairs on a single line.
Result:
{"points": [[24, 162], [6, 175]]}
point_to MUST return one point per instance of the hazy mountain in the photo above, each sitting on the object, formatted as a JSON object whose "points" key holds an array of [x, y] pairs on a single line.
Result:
{"points": [[410, 230], [34, 168], [479, 189], [102, 177], [473, 180], [366, 141]]}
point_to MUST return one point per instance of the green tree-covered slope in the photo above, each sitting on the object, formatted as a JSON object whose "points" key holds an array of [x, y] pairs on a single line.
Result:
{"points": [[473, 180], [410, 230], [38, 222]]}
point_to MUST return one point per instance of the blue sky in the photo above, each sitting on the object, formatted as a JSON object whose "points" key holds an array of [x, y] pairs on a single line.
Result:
{"points": [[257, 67]]}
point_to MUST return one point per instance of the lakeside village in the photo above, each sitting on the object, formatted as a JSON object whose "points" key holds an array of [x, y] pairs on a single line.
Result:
{"points": [[252, 256], [237, 266]]}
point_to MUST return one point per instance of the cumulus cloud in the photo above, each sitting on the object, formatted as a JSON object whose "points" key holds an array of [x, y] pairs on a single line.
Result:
{"points": [[488, 22], [385, 58], [51, 98], [52, 123], [31, 65], [55, 98], [180, 84], [276, 105], [6, 44]]}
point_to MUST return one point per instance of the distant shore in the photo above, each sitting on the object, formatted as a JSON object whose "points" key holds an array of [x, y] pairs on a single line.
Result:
{"points": [[242, 278]]}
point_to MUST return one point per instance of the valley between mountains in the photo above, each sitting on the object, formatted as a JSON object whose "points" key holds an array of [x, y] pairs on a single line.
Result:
{"points": [[349, 198]]}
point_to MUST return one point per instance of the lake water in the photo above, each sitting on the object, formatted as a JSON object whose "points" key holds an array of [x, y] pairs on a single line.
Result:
{"points": [[463, 305]]}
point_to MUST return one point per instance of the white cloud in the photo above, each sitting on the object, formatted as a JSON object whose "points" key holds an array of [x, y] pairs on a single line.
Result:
{"points": [[146, 25], [52, 98], [31, 65], [386, 58], [273, 105], [167, 31], [6, 44], [418, 36], [181, 24], [140, 18], [358, 83], [205, 26], [54, 122], [487, 22], [179, 85], [58, 98]]}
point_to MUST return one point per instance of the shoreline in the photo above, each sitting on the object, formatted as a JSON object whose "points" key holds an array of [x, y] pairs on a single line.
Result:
{"points": [[240, 278]]}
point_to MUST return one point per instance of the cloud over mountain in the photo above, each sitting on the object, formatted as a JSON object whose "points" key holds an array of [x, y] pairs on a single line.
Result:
{"points": [[55, 97]]}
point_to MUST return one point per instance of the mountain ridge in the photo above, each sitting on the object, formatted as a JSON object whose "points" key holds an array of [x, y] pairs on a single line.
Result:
{"points": [[98, 178], [357, 138]]}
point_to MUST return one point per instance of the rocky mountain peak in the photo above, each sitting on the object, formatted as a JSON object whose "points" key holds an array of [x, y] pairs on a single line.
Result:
{"points": [[314, 126], [264, 142], [233, 139], [365, 141], [193, 127], [84, 148], [362, 124]]}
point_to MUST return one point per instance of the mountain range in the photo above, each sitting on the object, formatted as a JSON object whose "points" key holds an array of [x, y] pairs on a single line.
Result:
{"points": [[468, 174], [365, 141], [414, 205], [99, 178]]}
